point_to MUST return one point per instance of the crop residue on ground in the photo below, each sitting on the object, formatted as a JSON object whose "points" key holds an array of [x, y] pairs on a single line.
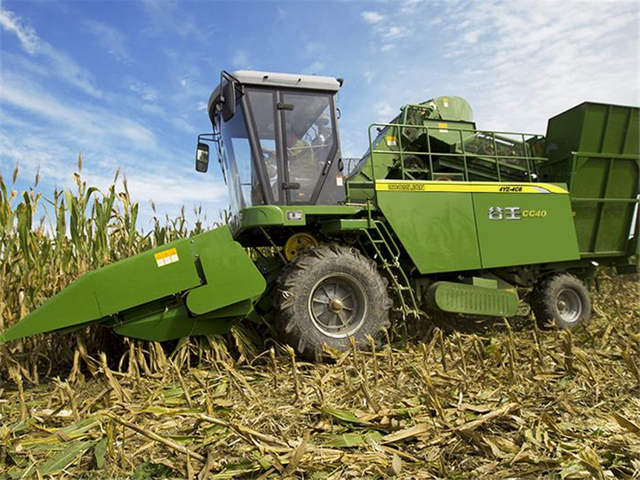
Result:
{"points": [[506, 401]]}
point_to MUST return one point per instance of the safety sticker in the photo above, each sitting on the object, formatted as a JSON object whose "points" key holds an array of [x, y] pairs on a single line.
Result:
{"points": [[339, 180], [166, 257], [445, 102], [391, 141], [444, 128]]}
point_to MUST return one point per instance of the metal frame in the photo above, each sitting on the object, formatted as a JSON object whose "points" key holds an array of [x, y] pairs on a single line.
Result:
{"points": [[530, 161]]}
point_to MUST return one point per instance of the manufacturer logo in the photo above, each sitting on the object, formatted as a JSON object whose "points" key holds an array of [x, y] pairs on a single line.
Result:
{"points": [[514, 213]]}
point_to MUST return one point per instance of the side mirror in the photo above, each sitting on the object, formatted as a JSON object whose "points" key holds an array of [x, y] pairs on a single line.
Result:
{"points": [[202, 157], [229, 105]]}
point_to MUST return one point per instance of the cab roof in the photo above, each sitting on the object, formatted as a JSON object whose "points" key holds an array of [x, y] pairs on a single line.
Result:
{"points": [[274, 79]]}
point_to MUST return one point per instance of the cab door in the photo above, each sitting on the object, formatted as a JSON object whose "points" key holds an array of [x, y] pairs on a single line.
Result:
{"points": [[309, 143]]}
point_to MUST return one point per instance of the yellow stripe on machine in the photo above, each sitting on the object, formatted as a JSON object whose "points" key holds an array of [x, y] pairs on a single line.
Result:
{"points": [[467, 187]]}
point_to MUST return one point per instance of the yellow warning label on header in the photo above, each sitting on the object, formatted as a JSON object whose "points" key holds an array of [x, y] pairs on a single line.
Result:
{"points": [[466, 187], [166, 257]]}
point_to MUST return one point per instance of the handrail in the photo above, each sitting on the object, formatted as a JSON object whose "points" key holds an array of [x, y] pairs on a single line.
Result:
{"points": [[498, 160]]}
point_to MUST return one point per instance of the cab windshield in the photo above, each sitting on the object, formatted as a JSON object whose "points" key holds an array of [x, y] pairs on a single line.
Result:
{"points": [[235, 153]]}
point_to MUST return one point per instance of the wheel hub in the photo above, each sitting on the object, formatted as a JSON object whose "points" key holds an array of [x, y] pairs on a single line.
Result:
{"points": [[569, 305], [337, 305]]}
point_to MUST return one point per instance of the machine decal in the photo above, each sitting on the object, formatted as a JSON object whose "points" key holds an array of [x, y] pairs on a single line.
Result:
{"points": [[166, 257], [467, 187], [514, 213], [294, 215]]}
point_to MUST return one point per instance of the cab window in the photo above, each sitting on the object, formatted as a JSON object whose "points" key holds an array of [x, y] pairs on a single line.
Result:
{"points": [[309, 136]]}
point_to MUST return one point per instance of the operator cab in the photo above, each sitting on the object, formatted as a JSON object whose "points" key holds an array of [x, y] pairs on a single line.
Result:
{"points": [[277, 139]]}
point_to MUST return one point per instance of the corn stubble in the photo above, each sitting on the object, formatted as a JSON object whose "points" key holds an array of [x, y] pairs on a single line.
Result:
{"points": [[508, 400]]}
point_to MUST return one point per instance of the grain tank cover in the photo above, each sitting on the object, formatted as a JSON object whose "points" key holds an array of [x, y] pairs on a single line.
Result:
{"points": [[450, 108]]}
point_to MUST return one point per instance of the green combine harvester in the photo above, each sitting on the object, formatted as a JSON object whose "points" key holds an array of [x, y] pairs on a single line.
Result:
{"points": [[436, 217]]}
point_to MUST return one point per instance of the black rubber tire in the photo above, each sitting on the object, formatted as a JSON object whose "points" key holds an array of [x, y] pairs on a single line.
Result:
{"points": [[299, 279], [546, 296]]}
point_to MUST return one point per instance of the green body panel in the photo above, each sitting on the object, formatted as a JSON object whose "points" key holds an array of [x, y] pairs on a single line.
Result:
{"points": [[287, 215], [230, 275], [457, 226], [475, 300], [74, 306], [171, 324], [437, 229], [546, 234], [595, 149], [602, 222], [593, 127], [138, 280], [344, 225]]}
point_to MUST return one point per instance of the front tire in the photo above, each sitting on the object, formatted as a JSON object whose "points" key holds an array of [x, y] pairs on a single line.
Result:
{"points": [[562, 299], [328, 294]]}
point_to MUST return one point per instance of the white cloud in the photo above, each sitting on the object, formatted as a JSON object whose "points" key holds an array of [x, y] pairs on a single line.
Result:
{"points": [[387, 30], [108, 142], [394, 31], [80, 121], [385, 110], [179, 189], [372, 17], [165, 15], [240, 59], [60, 63], [26, 35], [68, 70], [518, 64], [111, 39], [410, 6], [315, 68], [530, 66], [147, 93]]}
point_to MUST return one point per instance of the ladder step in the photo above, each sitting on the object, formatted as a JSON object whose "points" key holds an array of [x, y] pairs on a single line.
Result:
{"points": [[400, 288]]}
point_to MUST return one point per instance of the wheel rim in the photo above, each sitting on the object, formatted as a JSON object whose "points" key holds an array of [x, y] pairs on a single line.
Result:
{"points": [[569, 305], [338, 305]]}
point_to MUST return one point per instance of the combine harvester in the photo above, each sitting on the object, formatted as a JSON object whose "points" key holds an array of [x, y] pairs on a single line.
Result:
{"points": [[437, 215]]}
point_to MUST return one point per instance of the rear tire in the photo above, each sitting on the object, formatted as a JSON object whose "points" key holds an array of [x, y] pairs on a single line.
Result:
{"points": [[562, 299], [328, 294]]}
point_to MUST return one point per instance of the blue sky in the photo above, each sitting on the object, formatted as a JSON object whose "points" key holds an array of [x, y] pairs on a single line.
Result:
{"points": [[126, 82]]}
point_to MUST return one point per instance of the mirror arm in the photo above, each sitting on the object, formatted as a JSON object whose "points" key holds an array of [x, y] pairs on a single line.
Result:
{"points": [[213, 137]]}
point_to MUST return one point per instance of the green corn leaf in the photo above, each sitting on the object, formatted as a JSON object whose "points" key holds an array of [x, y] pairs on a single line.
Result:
{"points": [[343, 415], [62, 460], [99, 452], [355, 439]]}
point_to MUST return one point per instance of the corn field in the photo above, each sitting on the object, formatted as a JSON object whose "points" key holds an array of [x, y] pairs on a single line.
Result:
{"points": [[500, 400]]}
